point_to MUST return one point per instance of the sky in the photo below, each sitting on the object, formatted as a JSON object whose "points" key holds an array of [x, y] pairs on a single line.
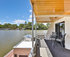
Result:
{"points": [[15, 11]]}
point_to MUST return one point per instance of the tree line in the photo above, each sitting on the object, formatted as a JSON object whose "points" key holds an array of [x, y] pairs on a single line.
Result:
{"points": [[25, 26]]}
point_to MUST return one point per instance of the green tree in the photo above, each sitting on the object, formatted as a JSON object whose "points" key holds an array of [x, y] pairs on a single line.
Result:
{"points": [[14, 26], [48, 24], [1, 26], [41, 26], [7, 25], [21, 26], [25, 23], [28, 25]]}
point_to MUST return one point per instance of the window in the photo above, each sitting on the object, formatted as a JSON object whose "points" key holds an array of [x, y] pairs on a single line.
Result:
{"points": [[15, 55], [23, 56]]}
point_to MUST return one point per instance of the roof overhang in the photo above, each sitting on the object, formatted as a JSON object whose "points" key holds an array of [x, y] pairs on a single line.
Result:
{"points": [[46, 9]]}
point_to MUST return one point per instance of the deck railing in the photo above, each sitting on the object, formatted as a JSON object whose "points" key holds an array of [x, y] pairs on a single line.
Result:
{"points": [[10, 54]]}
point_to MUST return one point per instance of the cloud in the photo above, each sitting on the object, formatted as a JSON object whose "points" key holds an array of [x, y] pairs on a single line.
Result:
{"points": [[19, 21], [15, 22], [30, 20], [30, 16], [5, 22], [30, 10]]}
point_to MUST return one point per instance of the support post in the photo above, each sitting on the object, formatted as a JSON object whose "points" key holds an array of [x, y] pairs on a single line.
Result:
{"points": [[36, 29], [32, 27]]}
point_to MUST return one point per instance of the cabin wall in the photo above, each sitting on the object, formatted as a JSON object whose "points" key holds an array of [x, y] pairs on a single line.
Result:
{"points": [[50, 30], [22, 51], [67, 30]]}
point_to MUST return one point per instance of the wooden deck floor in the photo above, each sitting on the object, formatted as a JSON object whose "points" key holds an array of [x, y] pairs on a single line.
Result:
{"points": [[57, 50]]}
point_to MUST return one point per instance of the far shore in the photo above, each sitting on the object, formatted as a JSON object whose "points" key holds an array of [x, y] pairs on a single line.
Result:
{"points": [[13, 29]]}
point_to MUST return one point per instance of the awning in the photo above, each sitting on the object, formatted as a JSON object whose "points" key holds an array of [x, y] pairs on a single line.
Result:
{"points": [[44, 8]]}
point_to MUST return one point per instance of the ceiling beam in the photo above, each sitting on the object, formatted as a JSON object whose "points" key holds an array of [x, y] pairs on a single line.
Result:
{"points": [[44, 21], [52, 15]]}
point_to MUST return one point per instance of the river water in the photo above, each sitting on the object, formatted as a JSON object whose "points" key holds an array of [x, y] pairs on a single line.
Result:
{"points": [[9, 38]]}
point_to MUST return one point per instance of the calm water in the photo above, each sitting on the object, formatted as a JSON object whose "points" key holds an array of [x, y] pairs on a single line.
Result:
{"points": [[10, 38]]}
